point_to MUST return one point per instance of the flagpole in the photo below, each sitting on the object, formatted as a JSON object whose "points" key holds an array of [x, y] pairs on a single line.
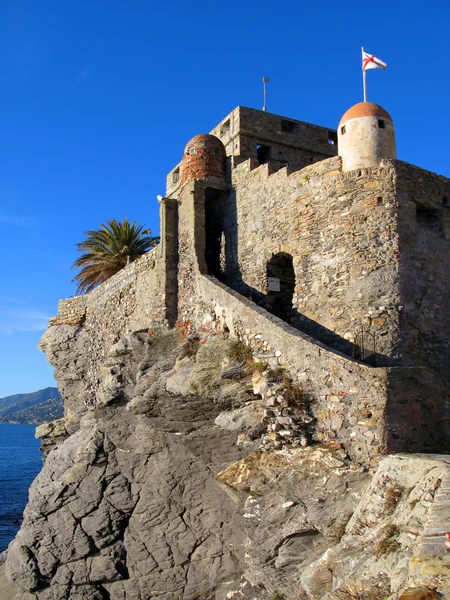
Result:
{"points": [[265, 80], [364, 75]]}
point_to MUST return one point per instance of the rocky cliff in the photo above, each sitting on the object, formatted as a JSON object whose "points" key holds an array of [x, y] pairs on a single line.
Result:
{"points": [[198, 476]]}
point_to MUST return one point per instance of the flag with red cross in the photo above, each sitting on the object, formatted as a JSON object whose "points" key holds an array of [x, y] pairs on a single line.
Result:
{"points": [[369, 61]]}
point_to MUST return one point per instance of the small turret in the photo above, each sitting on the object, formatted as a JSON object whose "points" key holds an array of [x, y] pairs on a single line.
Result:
{"points": [[366, 136], [204, 157]]}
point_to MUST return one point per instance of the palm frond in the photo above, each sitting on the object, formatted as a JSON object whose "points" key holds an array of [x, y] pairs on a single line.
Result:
{"points": [[108, 249]]}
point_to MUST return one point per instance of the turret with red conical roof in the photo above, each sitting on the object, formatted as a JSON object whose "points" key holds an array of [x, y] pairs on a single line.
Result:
{"points": [[203, 158], [366, 136]]}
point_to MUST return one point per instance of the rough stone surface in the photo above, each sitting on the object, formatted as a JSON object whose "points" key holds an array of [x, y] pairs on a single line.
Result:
{"points": [[127, 503], [10, 591], [153, 496], [352, 250], [182, 472]]}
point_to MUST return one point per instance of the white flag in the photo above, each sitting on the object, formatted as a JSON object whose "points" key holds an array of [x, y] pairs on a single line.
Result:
{"points": [[369, 61]]}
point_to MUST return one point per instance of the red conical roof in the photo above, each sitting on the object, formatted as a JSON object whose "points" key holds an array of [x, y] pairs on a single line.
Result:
{"points": [[365, 109]]}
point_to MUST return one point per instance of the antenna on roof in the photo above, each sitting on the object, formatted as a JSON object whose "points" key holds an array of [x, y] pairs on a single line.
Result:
{"points": [[265, 80]]}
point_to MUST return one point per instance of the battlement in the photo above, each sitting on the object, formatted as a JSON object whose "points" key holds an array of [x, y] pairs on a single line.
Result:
{"points": [[250, 168], [267, 138]]}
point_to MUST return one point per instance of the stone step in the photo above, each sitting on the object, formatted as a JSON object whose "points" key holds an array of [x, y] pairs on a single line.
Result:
{"points": [[433, 546]]}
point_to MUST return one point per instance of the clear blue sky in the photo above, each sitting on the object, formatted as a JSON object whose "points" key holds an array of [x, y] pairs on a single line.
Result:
{"points": [[100, 97]]}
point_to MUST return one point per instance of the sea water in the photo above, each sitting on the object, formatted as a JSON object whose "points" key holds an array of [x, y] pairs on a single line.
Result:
{"points": [[20, 462]]}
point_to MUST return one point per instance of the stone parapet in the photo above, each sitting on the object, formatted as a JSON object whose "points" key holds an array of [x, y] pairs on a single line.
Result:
{"points": [[349, 396], [368, 410], [71, 311], [132, 299]]}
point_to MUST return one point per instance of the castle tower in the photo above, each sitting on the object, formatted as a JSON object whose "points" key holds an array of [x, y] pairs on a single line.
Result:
{"points": [[203, 158], [365, 136]]}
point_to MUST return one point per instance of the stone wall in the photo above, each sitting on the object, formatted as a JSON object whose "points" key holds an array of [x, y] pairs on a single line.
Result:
{"points": [[367, 410], [71, 311], [132, 299], [143, 295], [424, 233], [360, 241], [341, 231], [191, 242], [287, 141], [129, 298], [290, 141]]}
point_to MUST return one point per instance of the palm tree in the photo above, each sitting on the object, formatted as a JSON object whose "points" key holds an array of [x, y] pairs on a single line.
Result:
{"points": [[106, 251]]}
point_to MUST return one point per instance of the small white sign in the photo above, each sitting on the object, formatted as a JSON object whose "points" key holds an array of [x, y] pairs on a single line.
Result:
{"points": [[273, 284]]}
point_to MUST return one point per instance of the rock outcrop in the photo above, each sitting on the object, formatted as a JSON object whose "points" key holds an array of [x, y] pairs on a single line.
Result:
{"points": [[171, 488]]}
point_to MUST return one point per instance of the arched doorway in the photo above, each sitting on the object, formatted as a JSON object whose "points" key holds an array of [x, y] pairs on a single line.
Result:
{"points": [[280, 285]]}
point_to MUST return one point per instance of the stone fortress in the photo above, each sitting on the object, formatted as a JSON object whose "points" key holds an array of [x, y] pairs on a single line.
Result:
{"points": [[319, 249], [185, 471]]}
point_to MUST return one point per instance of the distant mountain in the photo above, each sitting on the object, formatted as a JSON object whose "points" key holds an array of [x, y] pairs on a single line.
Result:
{"points": [[37, 407]]}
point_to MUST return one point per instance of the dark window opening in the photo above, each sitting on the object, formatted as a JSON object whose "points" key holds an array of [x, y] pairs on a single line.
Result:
{"points": [[214, 233], [289, 126], [225, 127], [379, 199], [444, 200], [176, 175], [280, 285], [343, 129], [381, 123], [332, 138], [430, 218], [262, 154]]}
